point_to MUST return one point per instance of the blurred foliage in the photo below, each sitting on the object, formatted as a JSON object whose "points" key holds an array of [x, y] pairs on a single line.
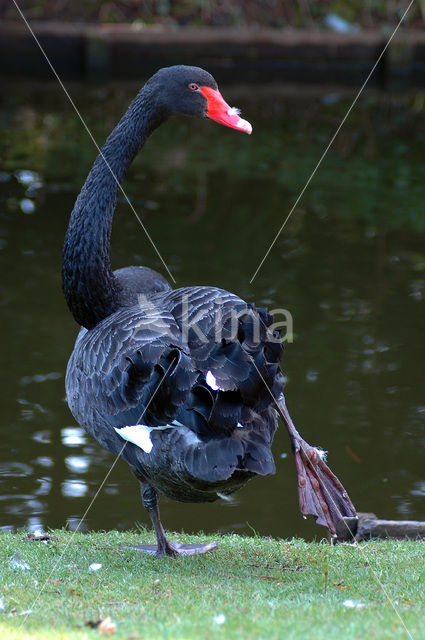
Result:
{"points": [[228, 13], [374, 171]]}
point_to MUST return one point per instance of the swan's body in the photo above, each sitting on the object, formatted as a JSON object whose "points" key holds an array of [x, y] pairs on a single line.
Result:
{"points": [[218, 416], [184, 384]]}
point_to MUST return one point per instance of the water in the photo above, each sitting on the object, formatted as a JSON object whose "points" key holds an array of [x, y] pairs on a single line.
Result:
{"points": [[349, 266]]}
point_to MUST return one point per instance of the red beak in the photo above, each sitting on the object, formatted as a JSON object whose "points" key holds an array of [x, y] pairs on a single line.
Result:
{"points": [[219, 111]]}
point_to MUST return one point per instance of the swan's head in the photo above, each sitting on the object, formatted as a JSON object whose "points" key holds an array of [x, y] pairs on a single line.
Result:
{"points": [[192, 91]]}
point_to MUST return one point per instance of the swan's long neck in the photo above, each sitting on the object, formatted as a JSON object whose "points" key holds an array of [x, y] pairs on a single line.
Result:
{"points": [[90, 287]]}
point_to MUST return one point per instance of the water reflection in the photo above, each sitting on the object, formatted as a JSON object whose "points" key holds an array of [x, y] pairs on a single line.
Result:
{"points": [[54, 375], [348, 266], [15, 469], [75, 524], [78, 464], [74, 488], [27, 178], [34, 525], [43, 437], [45, 484], [73, 436], [44, 461]]}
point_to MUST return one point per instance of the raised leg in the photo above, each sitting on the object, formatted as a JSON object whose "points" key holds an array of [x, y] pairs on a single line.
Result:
{"points": [[163, 546], [320, 492]]}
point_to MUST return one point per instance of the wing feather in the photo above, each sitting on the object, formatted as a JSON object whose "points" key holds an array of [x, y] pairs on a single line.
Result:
{"points": [[145, 366]]}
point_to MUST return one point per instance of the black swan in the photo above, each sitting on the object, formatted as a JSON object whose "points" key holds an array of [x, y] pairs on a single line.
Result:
{"points": [[184, 384]]}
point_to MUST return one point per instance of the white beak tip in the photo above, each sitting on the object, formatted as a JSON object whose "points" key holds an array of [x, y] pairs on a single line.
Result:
{"points": [[245, 126]]}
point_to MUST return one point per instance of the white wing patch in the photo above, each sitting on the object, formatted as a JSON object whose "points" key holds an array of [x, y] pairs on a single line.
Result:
{"points": [[211, 381], [140, 434]]}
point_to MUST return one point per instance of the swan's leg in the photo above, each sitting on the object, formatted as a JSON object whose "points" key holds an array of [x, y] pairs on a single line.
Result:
{"points": [[164, 547], [150, 502], [320, 492]]}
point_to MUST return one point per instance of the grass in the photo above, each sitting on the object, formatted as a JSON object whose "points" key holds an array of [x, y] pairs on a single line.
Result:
{"points": [[249, 588]]}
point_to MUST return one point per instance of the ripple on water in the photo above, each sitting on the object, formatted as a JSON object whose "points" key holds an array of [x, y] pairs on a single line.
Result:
{"points": [[25, 507], [73, 436], [27, 177], [42, 436], [418, 490], [45, 485], [27, 206], [15, 469], [40, 377], [74, 488], [78, 464], [34, 524], [44, 461]]}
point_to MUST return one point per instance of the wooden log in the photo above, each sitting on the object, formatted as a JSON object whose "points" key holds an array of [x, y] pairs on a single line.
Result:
{"points": [[368, 526]]}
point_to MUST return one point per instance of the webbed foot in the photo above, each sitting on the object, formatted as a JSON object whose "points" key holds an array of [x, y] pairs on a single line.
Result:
{"points": [[320, 492]]}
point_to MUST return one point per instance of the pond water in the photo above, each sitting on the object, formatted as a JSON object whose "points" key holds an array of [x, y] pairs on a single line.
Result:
{"points": [[349, 266]]}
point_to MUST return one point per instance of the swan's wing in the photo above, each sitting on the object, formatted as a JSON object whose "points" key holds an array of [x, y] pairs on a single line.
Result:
{"points": [[231, 342], [119, 366], [209, 362], [205, 399]]}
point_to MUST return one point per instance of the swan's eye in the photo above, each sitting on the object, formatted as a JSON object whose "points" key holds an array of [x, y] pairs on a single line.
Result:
{"points": [[193, 87]]}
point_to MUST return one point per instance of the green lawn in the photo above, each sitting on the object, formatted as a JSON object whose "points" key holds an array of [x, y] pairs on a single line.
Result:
{"points": [[249, 588]]}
